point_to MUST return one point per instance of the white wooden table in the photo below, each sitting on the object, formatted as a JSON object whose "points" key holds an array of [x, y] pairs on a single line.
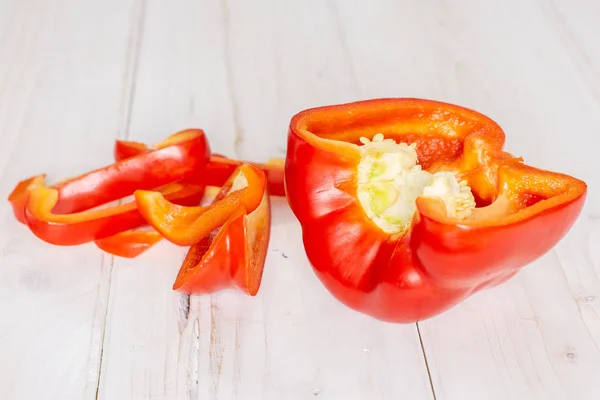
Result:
{"points": [[75, 75]]}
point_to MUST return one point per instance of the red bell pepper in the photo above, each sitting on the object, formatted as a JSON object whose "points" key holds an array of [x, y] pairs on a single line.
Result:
{"points": [[62, 215], [131, 243], [233, 255], [186, 226], [18, 197], [219, 168], [403, 242], [217, 172], [229, 238]]}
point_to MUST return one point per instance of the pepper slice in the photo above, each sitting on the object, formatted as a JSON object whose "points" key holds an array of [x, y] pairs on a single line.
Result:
{"points": [[18, 197], [62, 214], [186, 226], [217, 172], [129, 244], [219, 167], [402, 241], [232, 256]]}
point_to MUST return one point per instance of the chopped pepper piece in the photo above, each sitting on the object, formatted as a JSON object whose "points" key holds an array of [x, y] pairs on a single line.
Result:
{"points": [[186, 226], [219, 167], [129, 244], [134, 242], [18, 197], [409, 206], [89, 225], [217, 172], [232, 255], [62, 214]]}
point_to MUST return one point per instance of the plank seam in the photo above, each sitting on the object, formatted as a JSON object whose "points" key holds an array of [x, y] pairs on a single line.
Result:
{"points": [[237, 131], [426, 361], [110, 269], [124, 134]]}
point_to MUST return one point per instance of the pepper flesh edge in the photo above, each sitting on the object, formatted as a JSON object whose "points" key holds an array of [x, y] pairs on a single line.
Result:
{"points": [[233, 255], [186, 226], [64, 214], [491, 142], [218, 169]]}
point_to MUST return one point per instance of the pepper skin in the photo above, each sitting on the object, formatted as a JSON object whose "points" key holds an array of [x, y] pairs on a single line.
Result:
{"points": [[521, 213], [129, 244], [233, 256], [186, 226], [219, 167], [62, 215], [217, 172]]}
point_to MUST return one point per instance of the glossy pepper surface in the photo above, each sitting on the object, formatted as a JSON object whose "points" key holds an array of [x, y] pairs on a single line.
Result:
{"points": [[218, 169], [130, 243], [233, 255], [186, 226], [216, 173], [67, 213], [228, 238], [478, 216]]}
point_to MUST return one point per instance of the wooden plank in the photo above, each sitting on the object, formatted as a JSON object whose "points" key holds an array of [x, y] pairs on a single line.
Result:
{"points": [[62, 65], [536, 337], [529, 65], [297, 58], [181, 82], [240, 70], [68, 81]]}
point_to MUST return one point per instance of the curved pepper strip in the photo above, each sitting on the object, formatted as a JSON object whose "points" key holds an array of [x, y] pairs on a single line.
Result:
{"points": [[62, 214], [217, 172], [521, 213], [186, 226], [18, 197], [231, 256], [129, 244], [219, 168], [134, 242]]}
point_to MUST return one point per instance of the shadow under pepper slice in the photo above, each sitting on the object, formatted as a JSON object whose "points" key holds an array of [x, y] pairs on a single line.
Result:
{"points": [[63, 214], [409, 206]]}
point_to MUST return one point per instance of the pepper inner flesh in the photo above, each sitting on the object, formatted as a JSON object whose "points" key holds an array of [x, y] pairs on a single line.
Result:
{"points": [[390, 180]]}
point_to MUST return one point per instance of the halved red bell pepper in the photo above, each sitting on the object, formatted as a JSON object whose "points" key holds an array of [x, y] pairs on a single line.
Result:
{"points": [[186, 226], [62, 214], [381, 257], [219, 168]]}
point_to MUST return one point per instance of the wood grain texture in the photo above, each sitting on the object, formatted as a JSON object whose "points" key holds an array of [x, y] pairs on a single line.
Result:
{"points": [[197, 69], [74, 75], [181, 82], [537, 336], [62, 86]]}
